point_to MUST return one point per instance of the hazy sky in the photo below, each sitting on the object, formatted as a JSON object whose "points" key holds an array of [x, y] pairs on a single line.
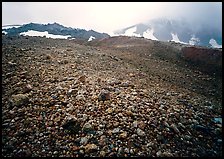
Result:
{"points": [[108, 16]]}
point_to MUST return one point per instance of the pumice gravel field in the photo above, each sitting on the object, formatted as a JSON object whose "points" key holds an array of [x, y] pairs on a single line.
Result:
{"points": [[115, 97]]}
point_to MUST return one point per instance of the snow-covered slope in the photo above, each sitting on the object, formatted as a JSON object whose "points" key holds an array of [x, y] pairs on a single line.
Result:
{"points": [[149, 34], [180, 31], [131, 32], [214, 44], [194, 40], [10, 26], [176, 39], [42, 34], [53, 30]]}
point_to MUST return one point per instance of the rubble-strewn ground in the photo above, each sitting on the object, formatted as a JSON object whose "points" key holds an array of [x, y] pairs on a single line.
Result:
{"points": [[64, 98]]}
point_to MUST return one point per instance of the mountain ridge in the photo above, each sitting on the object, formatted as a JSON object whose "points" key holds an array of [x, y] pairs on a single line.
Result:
{"points": [[163, 29], [56, 29]]}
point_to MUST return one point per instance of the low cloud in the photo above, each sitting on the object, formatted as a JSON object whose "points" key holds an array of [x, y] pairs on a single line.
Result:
{"points": [[110, 16]]}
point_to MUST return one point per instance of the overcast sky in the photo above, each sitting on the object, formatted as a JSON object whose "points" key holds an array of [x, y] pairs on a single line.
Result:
{"points": [[108, 16]]}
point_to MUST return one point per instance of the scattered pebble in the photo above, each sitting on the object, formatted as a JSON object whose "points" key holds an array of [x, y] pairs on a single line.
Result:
{"points": [[83, 103]]}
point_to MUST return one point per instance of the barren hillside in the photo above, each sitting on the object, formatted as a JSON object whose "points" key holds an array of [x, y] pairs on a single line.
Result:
{"points": [[120, 96]]}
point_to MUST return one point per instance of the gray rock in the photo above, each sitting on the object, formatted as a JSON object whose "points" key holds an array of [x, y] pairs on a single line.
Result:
{"points": [[160, 137], [120, 151], [84, 140], [55, 152], [113, 82], [12, 63], [5, 125], [71, 108], [159, 153], [100, 133], [102, 140], [71, 91], [116, 130], [218, 120], [87, 127], [166, 154], [135, 124], [102, 153], [19, 99], [84, 117], [80, 97], [174, 127], [132, 151], [101, 125], [140, 132], [166, 124], [181, 125], [81, 151], [219, 140], [126, 84], [126, 150]]}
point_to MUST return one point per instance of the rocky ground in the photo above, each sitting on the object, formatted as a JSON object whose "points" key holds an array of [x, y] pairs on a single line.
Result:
{"points": [[65, 98]]}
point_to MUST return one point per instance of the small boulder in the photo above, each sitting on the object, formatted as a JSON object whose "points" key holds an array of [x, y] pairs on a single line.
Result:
{"points": [[90, 147], [140, 132], [72, 125], [84, 140], [19, 99], [104, 95], [87, 127], [27, 88], [82, 79], [174, 127], [123, 135]]}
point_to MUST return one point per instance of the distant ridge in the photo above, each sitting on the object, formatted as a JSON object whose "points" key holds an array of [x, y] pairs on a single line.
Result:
{"points": [[55, 29]]}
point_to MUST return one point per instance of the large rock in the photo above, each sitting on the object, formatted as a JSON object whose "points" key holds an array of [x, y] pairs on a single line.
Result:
{"points": [[71, 124], [87, 127], [27, 88], [19, 99], [84, 140], [90, 147], [104, 95]]}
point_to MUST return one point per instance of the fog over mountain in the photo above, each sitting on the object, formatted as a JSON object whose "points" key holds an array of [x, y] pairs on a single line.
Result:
{"points": [[198, 23], [178, 30], [73, 88], [110, 16]]}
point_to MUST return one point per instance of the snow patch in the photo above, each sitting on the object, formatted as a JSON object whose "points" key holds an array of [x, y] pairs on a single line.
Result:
{"points": [[91, 38], [176, 39], [130, 32], [45, 33], [11, 26], [194, 40], [149, 34], [4, 32], [214, 43]]}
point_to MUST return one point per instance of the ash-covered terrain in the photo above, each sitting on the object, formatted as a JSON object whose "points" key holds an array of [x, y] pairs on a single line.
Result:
{"points": [[114, 97]]}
